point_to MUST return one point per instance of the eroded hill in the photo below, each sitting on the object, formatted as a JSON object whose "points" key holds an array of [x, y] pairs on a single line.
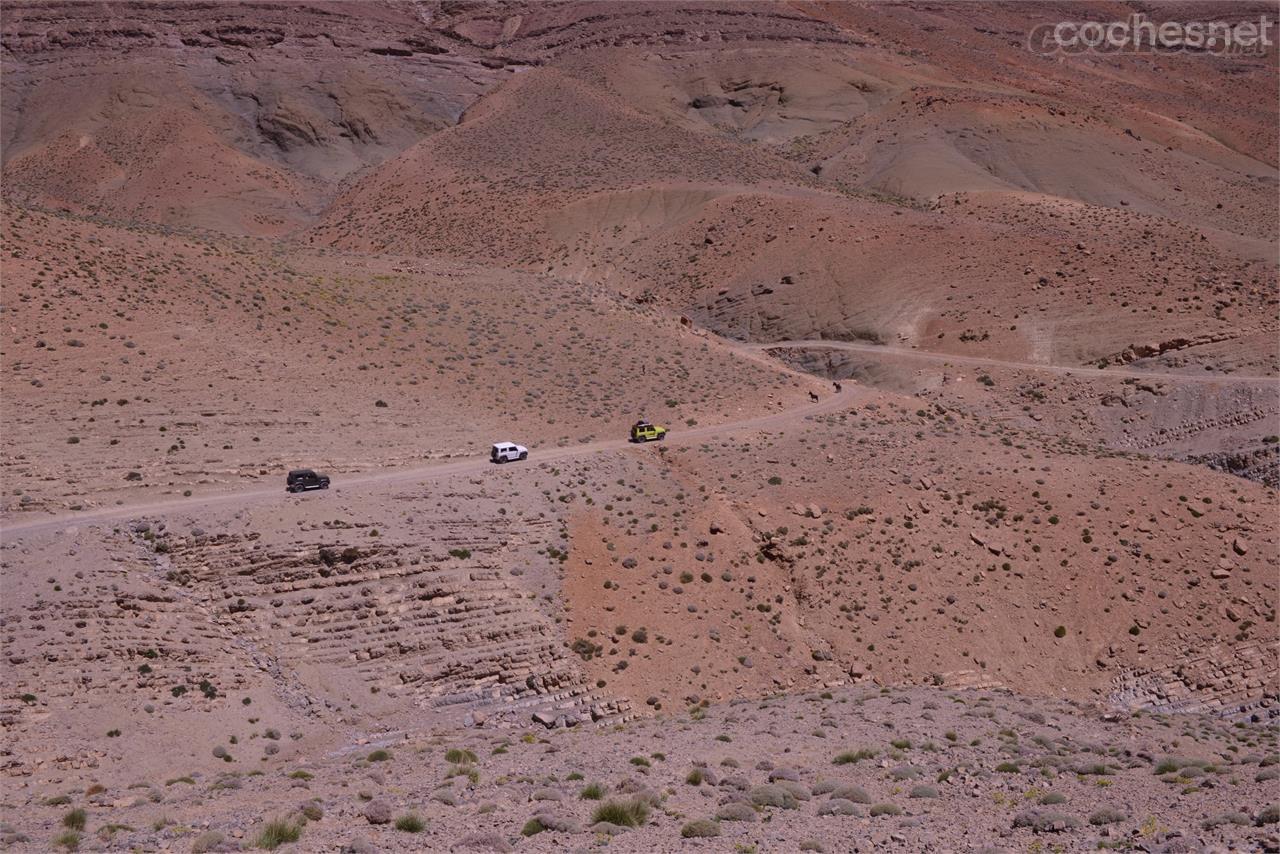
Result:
{"points": [[963, 533]]}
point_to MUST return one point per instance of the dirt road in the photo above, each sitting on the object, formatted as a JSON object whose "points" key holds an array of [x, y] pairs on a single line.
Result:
{"points": [[775, 420], [259, 495], [886, 351]]}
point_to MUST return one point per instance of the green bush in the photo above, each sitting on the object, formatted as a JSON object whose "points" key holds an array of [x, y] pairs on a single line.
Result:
{"points": [[630, 813], [459, 757], [75, 819], [853, 757], [532, 827], [379, 756], [410, 823], [592, 792], [69, 840], [277, 833]]}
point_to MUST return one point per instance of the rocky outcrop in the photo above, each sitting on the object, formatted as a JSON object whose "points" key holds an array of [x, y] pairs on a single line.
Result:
{"points": [[1231, 681]]}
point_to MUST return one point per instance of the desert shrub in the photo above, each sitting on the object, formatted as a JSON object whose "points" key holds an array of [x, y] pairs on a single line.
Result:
{"points": [[851, 793], [886, 809], [700, 828], [410, 823], [1238, 818], [1268, 815], [1097, 769], [210, 840], [853, 757], [773, 795], [532, 827], [1053, 798], [1179, 763], [1107, 815], [736, 812], [74, 820], [277, 833], [227, 781], [468, 771], [838, 806], [379, 756], [459, 757], [695, 777], [924, 792], [1045, 821], [68, 839], [1008, 768], [629, 813], [591, 792]]}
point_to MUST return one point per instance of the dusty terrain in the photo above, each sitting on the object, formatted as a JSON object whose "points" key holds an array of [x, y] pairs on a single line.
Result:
{"points": [[963, 538]]}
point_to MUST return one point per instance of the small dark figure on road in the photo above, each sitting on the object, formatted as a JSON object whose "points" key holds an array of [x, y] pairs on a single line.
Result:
{"points": [[813, 396], [838, 387]]}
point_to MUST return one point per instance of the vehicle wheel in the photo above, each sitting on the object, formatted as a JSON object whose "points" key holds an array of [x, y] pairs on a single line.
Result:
{"points": [[324, 486], [525, 455], [662, 437]]}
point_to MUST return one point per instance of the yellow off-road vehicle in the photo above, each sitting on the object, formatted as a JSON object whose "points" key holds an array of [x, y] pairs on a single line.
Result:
{"points": [[643, 431]]}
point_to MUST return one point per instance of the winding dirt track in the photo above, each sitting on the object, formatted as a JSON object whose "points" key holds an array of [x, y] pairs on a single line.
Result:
{"points": [[1061, 370], [537, 456]]}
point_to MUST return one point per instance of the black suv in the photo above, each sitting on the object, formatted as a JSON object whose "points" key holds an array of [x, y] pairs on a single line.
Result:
{"points": [[300, 480]]}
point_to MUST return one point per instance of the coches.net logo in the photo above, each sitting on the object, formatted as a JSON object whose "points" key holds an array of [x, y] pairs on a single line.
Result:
{"points": [[1139, 34]]}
